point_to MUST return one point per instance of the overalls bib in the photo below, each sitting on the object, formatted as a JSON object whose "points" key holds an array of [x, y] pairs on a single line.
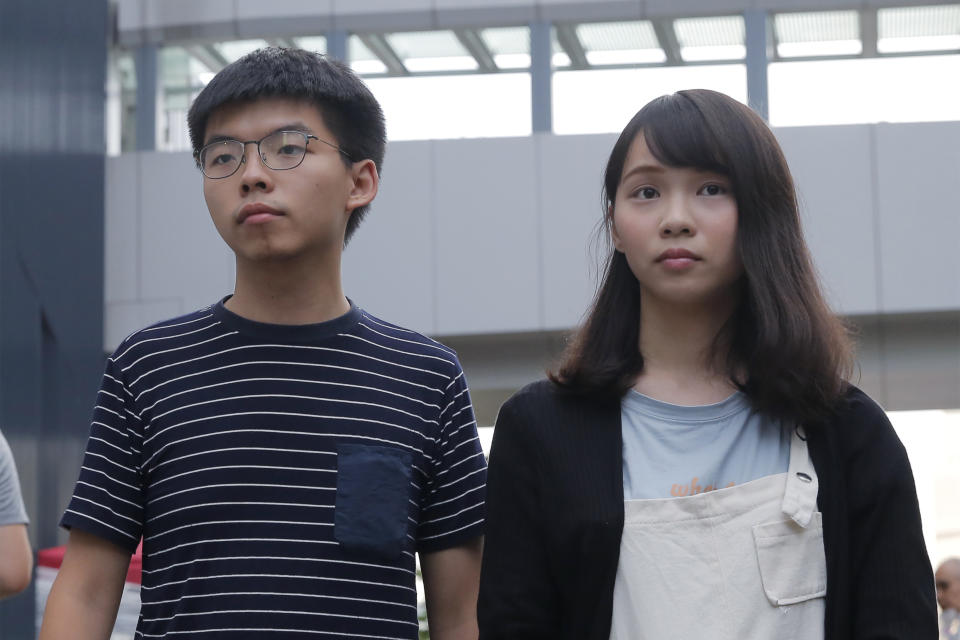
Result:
{"points": [[733, 564]]}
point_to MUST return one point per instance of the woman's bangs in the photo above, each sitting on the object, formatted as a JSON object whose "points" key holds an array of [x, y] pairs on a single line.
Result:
{"points": [[678, 136]]}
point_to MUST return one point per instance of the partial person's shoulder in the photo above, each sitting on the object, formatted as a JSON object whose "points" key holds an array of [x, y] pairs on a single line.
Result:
{"points": [[545, 400], [858, 413], [406, 343], [861, 425]]}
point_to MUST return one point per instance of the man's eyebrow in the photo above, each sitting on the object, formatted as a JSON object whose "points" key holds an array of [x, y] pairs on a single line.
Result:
{"points": [[291, 126]]}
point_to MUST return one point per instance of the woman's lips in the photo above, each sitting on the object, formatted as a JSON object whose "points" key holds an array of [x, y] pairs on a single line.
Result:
{"points": [[677, 259]]}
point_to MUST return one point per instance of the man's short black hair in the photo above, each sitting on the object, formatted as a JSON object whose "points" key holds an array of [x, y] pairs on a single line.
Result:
{"points": [[347, 106]]}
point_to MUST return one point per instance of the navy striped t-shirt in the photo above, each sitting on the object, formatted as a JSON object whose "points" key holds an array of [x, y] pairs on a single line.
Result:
{"points": [[282, 477]]}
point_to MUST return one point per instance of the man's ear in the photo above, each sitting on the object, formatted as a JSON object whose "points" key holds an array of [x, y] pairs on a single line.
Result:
{"points": [[366, 183]]}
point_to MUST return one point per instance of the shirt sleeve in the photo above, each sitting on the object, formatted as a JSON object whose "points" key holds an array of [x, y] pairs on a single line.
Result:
{"points": [[12, 510], [453, 511], [893, 596], [108, 499]]}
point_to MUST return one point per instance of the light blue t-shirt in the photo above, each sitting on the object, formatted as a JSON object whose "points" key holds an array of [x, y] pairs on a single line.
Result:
{"points": [[11, 502], [672, 451]]}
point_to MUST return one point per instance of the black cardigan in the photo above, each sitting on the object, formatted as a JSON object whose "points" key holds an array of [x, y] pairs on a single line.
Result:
{"points": [[555, 516]]}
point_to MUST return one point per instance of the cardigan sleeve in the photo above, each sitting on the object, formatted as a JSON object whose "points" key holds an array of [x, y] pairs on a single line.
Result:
{"points": [[893, 594], [518, 599]]}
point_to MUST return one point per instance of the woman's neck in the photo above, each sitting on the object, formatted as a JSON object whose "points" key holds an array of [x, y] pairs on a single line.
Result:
{"points": [[683, 362]]}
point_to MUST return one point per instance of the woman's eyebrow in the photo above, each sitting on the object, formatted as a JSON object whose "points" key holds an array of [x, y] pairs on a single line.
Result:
{"points": [[644, 168]]}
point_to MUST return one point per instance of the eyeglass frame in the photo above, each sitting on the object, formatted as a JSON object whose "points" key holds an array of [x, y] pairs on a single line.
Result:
{"points": [[243, 158]]}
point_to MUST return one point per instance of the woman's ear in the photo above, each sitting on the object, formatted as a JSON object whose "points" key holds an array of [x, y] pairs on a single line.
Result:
{"points": [[611, 224]]}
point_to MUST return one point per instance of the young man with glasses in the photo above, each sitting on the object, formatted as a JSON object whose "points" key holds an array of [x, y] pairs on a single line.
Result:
{"points": [[283, 453]]}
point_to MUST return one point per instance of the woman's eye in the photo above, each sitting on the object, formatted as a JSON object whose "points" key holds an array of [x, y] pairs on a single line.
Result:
{"points": [[713, 190], [646, 193]]}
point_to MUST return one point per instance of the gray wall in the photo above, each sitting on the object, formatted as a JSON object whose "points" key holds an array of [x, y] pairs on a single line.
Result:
{"points": [[492, 235], [485, 239], [52, 76]]}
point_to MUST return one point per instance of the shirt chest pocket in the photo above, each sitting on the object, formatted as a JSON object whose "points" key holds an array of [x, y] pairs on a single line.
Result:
{"points": [[793, 566], [372, 506]]}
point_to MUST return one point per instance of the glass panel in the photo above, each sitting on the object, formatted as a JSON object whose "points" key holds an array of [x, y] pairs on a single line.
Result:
{"points": [[436, 107], [703, 39], [312, 43], [906, 89], [577, 110], [620, 43], [558, 58], [121, 102], [236, 49], [182, 76], [431, 51], [362, 60], [822, 33], [918, 29], [510, 46]]}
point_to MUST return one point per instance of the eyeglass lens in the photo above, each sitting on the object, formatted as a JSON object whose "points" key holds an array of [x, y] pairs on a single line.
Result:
{"points": [[280, 150]]}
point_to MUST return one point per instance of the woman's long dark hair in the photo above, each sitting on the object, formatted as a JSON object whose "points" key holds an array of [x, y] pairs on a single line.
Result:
{"points": [[785, 349]]}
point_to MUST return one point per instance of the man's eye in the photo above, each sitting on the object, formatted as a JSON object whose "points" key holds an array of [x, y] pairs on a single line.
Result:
{"points": [[291, 150], [221, 158]]}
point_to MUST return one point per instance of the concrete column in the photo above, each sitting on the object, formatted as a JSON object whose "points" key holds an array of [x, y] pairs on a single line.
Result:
{"points": [[758, 53], [337, 44], [541, 76], [149, 95]]}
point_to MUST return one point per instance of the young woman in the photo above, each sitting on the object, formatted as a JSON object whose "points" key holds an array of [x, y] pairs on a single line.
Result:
{"points": [[697, 466]]}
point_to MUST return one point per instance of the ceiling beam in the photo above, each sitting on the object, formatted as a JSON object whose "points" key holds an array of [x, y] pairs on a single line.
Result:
{"points": [[208, 56], [571, 45], [474, 44], [378, 45], [667, 38]]}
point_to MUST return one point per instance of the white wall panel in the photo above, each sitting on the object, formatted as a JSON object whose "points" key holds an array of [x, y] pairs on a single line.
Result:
{"points": [[161, 13], [918, 171], [388, 267], [576, 10], [488, 248], [371, 6], [836, 203], [258, 19], [182, 256], [121, 260], [166, 21], [570, 170], [670, 8], [253, 9]]}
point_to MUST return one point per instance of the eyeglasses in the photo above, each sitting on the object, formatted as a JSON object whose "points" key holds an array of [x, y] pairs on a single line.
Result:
{"points": [[281, 150]]}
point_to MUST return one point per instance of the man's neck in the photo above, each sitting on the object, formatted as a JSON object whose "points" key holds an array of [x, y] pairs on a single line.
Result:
{"points": [[680, 364], [288, 292]]}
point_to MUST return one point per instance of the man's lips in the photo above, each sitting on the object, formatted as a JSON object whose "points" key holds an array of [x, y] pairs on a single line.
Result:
{"points": [[256, 212]]}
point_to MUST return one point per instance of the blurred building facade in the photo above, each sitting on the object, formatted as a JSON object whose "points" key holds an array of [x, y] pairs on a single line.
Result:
{"points": [[484, 240]]}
